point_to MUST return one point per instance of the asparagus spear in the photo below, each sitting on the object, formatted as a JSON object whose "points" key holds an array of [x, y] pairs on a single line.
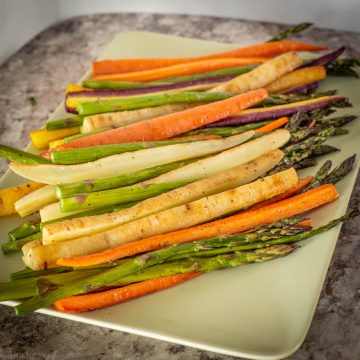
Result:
{"points": [[319, 176], [25, 229], [106, 84], [227, 131], [20, 289], [296, 153], [81, 135], [24, 288], [323, 149], [116, 196], [290, 31], [100, 184], [29, 273], [12, 247], [92, 153], [344, 67], [340, 171], [64, 123], [98, 107], [282, 240], [22, 157], [337, 121], [303, 164]]}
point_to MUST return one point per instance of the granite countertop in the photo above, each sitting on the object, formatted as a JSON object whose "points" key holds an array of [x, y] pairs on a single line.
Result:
{"points": [[43, 68]]}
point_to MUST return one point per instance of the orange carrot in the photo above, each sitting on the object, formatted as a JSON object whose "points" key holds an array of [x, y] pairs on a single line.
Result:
{"points": [[266, 50], [300, 185], [273, 125], [100, 300], [234, 224], [177, 70], [107, 67], [170, 125]]}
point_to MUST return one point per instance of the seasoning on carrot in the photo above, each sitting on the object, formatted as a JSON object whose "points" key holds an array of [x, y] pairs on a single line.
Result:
{"points": [[100, 300], [237, 223], [168, 126], [261, 50], [273, 125], [178, 70], [285, 195]]}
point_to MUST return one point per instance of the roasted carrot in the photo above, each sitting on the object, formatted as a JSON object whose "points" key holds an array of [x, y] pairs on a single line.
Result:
{"points": [[285, 195], [177, 70], [273, 125], [298, 77], [168, 126], [100, 300], [261, 50], [234, 224], [120, 66]]}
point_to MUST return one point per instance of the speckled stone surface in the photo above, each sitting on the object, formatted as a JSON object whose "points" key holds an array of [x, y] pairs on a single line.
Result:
{"points": [[43, 69]]}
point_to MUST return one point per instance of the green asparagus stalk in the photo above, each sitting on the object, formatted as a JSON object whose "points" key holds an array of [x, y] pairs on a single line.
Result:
{"points": [[226, 131], [116, 196], [281, 99], [20, 289], [323, 149], [106, 84], [296, 153], [22, 157], [12, 247], [278, 241], [119, 85], [319, 138], [98, 107], [306, 163], [81, 135], [75, 120], [337, 130], [319, 176], [290, 31], [343, 67], [300, 135], [92, 153], [107, 183], [337, 121], [24, 288], [25, 229], [340, 171], [28, 273], [234, 71]]}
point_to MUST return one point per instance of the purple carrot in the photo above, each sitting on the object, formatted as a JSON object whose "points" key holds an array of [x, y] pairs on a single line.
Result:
{"points": [[97, 94], [259, 114], [326, 59], [301, 89]]}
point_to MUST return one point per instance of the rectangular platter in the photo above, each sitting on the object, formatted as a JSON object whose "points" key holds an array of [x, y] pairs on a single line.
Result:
{"points": [[261, 311]]}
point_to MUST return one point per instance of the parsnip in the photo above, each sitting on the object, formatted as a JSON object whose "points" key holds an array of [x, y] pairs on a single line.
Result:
{"points": [[234, 177], [122, 118], [53, 211], [35, 200], [182, 216], [236, 156], [262, 75], [126, 162]]}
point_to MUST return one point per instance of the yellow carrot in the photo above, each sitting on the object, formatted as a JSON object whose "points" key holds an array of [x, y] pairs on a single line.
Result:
{"points": [[298, 77], [41, 138], [9, 196]]}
